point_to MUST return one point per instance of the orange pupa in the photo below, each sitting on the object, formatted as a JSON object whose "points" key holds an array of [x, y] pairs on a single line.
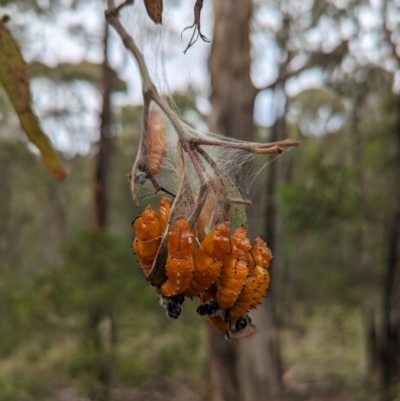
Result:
{"points": [[208, 259], [234, 270], [163, 213], [179, 267], [156, 140], [148, 238], [256, 282]]}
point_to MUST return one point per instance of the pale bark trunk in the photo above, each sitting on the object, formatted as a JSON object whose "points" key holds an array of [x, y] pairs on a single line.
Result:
{"points": [[273, 229], [222, 368], [233, 93], [245, 370], [259, 359]]}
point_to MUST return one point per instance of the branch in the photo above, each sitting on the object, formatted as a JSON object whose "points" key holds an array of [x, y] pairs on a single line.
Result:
{"points": [[253, 147], [319, 59], [388, 33], [197, 26], [190, 144], [111, 15], [122, 5], [149, 89]]}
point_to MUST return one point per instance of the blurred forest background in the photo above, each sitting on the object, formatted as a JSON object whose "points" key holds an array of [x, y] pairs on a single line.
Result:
{"points": [[77, 319]]}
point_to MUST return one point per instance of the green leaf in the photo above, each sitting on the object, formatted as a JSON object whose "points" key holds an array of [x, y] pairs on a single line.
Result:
{"points": [[14, 76]]}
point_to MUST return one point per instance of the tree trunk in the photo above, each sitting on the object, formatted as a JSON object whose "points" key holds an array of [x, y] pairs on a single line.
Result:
{"points": [[272, 228], [233, 93], [5, 206], [391, 312], [99, 315], [372, 345], [105, 146], [245, 370], [361, 242], [222, 368]]}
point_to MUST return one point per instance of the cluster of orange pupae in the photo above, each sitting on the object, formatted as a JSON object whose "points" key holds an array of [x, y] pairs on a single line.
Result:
{"points": [[228, 274]]}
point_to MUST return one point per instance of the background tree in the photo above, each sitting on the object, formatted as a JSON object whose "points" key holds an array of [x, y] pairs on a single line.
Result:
{"points": [[234, 373]]}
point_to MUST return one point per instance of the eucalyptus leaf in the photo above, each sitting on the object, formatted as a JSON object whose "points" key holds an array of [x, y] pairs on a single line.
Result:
{"points": [[14, 76]]}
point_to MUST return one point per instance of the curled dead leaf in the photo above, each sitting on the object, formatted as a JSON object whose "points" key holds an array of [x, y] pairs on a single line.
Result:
{"points": [[154, 10]]}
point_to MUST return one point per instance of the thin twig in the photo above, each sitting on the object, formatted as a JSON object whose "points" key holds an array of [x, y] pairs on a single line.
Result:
{"points": [[273, 150], [122, 5], [200, 201], [149, 89], [245, 202], [253, 147], [195, 162], [221, 190], [157, 186], [141, 162], [205, 183], [111, 15], [197, 26]]}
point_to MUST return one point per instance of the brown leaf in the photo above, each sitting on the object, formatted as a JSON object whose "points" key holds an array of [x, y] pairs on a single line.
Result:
{"points": [[14, 76], [154, 10]]}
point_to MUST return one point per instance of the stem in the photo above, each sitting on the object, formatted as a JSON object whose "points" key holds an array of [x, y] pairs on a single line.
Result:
{"points": [[201, 199], [157, 186], [240, 201], [141, 162], [122, 5], [111, 15], [266, 151], [254, 147], [218, 190], [148, 87], [195, 162], [197, 26]]}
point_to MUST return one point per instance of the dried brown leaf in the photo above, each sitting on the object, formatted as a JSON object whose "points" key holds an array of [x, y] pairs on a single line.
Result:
{"points": [[248, 331], [154, 10]]}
